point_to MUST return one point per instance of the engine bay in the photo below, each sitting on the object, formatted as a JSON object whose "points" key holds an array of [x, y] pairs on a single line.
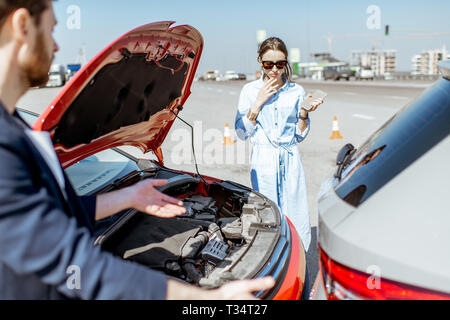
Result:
{"points": [[226, 234]]}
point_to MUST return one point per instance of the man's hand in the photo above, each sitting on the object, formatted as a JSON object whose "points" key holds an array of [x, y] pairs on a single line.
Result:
{"points": [[141, 196], [145, 198], [242, 289], [235, 290]]}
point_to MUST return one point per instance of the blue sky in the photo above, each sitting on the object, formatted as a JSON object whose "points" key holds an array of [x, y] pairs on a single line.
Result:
{"points": [[229, 27]]}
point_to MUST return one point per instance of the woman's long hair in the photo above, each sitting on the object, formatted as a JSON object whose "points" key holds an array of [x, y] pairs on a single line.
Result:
{"points": [[275, 44]]}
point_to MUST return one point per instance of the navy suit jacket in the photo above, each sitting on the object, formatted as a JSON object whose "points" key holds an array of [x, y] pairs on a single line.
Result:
{"points": [[46, 241]]}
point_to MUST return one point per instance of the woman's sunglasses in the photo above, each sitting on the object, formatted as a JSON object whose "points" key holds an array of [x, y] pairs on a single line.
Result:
{"points": [[268, 65]]}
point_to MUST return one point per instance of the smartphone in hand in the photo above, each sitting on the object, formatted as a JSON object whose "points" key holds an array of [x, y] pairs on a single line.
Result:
{"points": [[316, 94]]}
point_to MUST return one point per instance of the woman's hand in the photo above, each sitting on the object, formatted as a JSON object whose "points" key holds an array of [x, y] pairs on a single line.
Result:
{"points": [[268, 90], [304, 114], [315, 104]]}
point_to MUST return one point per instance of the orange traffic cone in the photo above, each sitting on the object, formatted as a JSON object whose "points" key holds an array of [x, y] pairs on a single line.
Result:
{"points": [[336, 133], [227, 136]]}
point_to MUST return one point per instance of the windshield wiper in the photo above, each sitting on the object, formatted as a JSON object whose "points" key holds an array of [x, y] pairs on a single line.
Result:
{"points": [[343, 158]]}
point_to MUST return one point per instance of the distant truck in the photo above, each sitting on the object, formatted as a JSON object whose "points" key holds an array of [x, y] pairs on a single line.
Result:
{"points": [[57, 76], [72, 69], [337, 73], [364, 73]]}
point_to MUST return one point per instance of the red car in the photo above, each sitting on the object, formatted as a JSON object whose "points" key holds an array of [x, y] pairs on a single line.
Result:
{"points": [[130, 94]]}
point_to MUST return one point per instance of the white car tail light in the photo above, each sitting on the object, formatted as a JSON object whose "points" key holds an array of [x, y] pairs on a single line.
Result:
{"points": [[344, 283]]}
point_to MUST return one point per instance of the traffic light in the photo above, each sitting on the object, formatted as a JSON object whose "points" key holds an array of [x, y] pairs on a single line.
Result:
{"points": [[387, 30]]}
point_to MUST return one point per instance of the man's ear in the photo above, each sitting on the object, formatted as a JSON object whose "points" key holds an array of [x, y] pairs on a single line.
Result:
{"points": [[21, 24]]}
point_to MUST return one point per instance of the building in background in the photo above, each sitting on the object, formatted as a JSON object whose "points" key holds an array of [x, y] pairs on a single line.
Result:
{"points": [[416, 65], [315, 69], [382, 62], [426, 62]]}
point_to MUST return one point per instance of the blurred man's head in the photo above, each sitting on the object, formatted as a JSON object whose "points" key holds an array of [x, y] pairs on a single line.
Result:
{"points": [[27, 25]]}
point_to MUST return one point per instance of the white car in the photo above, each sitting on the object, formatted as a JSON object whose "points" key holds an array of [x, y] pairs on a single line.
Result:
{"points": [[231, 75], [383, 229], [212, 75], [364, 74]]}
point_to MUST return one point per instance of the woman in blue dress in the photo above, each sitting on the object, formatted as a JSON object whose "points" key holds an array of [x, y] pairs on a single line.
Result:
{"points": [[270, 115]]}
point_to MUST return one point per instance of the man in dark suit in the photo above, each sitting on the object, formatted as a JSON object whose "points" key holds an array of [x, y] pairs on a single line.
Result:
{"points": [[45, 229]]}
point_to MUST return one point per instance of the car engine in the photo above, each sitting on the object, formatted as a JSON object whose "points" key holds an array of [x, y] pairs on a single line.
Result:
{"points": [[221, 237]]}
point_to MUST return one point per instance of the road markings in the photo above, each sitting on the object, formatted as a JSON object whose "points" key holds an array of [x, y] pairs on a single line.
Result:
{"points": [[362, 116], [349, 93], [233, 93]]}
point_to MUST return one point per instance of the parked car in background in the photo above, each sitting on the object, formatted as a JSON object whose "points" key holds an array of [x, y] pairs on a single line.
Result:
{"points": [[337, 72], [383, 230], [389, 76], [57, 76], [344, 72], [233, 75], [130, 94], [230, 75], [211, 75], [330, 73], [364, 73], [242, 76]]}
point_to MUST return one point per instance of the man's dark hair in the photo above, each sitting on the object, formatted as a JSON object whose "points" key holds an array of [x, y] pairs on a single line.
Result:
{"points": [[35, 7]]}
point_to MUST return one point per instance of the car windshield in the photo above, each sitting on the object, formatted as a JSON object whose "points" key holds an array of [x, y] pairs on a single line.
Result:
{"points": [[95, 172]]}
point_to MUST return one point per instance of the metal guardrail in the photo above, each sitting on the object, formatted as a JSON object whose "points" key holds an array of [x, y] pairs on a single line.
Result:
{"points": [[394, 77], [433, 77]]}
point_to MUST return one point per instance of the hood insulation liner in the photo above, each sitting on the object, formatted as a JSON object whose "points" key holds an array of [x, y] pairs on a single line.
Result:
{"points": [[120, 95]]}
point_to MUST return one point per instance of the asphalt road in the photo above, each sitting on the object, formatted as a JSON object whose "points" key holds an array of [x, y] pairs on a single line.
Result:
{"points": [[361, 109]]}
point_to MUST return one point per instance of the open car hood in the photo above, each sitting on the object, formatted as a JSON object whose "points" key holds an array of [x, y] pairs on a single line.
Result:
{"points": [[128, 94]]}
